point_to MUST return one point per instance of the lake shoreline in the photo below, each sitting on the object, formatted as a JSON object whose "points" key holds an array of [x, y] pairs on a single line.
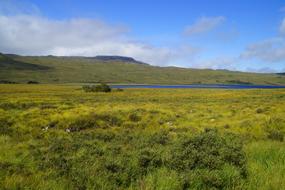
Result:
{"points": [[215, 86]]}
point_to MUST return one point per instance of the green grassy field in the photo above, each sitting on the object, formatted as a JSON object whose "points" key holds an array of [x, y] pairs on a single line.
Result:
{"points": [[60, 137], [51, 69]]}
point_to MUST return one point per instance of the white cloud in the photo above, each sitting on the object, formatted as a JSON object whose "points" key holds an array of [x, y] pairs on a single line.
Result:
{"points": [[27, 34], [204, 25], [272, 50], [24, 31], [261, 70], [34, 35], [221, 62]]}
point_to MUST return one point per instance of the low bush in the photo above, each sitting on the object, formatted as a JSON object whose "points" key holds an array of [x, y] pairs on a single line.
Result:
{"points": [[5, 126], [203, 158], [7, 82], [134, 117], [97, 88], [93, 121], [33, 82], [275, 128], [259, 110], [149, 158], [276, 135]]}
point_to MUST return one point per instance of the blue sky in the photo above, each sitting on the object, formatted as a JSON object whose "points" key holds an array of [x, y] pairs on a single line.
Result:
{"points": [[246, 35]]}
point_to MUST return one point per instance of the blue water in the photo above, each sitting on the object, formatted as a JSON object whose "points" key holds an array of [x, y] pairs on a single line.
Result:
{"points": [[219, 86]]}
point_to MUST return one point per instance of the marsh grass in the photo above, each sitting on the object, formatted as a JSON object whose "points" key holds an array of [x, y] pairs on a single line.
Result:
{"points": [[59, 137], [266, 165]]}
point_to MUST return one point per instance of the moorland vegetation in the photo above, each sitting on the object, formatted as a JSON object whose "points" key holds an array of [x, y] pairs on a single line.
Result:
{"points": [[60, 137]]}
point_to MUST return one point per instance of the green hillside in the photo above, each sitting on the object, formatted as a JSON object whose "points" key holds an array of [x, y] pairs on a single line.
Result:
{"points": [[52, 69], [8, 63]]}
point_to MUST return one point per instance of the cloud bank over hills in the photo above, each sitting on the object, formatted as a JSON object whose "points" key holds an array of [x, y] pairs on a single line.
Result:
{"points": [[33, 35], [24, 30]]}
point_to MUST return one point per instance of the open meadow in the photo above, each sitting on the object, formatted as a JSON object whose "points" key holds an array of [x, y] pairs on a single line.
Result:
{"points": [[60, 137]]}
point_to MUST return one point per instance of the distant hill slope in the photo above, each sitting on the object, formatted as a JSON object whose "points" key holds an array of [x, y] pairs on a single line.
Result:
{"points": [[117, 69], [8, 63], [117, 58]]}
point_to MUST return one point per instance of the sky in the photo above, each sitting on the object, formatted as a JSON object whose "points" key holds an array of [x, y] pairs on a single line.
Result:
{"points": [[243, 35]]}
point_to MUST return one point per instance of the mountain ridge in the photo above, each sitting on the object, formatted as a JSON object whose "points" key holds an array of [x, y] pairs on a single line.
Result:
{"points": [[117, 58]]}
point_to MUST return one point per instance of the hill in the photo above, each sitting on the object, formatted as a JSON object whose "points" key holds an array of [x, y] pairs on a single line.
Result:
{"points": [[8, 63], [117, 58], [117, 69]]}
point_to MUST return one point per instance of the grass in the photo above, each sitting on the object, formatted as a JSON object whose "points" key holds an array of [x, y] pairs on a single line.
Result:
{"points": [[266, 162], [51, 69], [60, 137]]}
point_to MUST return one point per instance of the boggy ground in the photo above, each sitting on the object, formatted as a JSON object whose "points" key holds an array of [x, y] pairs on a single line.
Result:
{"points": [[60, 137]]}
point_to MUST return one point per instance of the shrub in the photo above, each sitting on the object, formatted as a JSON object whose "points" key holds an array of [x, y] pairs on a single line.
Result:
{"points": [[260, 110], [149, 158], [161, 138], [274, 128], [32, 82], [227, 126], [204, 157], [134, 117], [93, 121], [97, 88], [5, 126], [103, 88], [7, 82], [276, 135], [82, 123]]}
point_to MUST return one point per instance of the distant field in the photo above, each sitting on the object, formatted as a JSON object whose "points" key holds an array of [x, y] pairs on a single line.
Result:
{"points": [[51, 69], [59, 137]]}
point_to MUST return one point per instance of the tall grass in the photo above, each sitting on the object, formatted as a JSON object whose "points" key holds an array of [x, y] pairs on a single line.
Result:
{"points": [[266, 165]]}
